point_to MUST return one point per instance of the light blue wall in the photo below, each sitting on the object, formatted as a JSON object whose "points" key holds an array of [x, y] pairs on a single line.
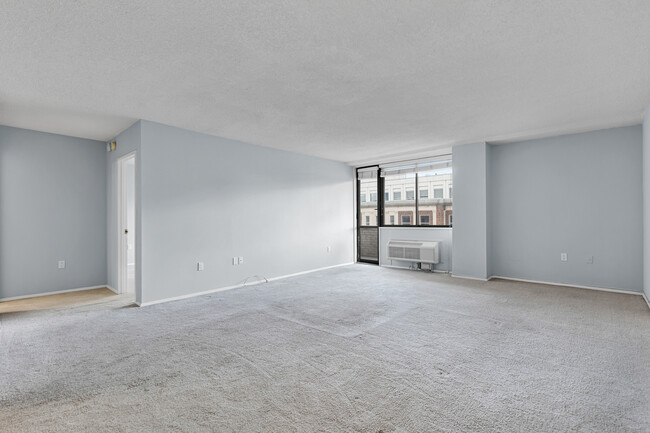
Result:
{"points": [[646, 203], [52, 207], [128, 141], [438, 234], [208, 199], [470, 237], [580, 194]]}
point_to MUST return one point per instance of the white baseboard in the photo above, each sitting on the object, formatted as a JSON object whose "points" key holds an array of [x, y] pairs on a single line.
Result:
{"points": [[601, 289], [646, 299], [36, 295], [223, 289], [435, 271], [112, 289], [469, 278]]}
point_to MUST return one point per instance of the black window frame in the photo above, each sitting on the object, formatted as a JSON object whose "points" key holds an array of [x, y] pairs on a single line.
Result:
{"points": [[380, 215]]}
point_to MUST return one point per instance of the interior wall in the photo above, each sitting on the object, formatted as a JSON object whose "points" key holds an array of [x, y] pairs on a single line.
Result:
{"points": [[470, 234], [438, 234], [128, 141], [208, 199], [580, 194], [52, 207], [646, 203]]}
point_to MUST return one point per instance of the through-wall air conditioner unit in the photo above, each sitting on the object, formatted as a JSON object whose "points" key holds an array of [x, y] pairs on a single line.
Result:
{"points": [[414, 251]]}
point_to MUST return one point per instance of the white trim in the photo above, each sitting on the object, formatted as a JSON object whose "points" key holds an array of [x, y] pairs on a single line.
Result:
{"points": [[121, 221], [470, 278], [601, 289], [646, 299], [435, 271], [222, 289], [112, 289], [36, 295]]}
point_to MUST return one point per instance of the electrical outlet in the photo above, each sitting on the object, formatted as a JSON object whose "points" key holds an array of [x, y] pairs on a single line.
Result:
{"points": [[61, 264], [200, 266], [241, 260], [235, 260], [564, 257]]}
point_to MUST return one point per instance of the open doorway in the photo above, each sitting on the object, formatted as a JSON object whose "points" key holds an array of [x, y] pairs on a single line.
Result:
{"points": [[126, 224]]}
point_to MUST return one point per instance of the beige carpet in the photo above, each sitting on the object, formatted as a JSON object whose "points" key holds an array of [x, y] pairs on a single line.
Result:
{"points": [[352, 349]]}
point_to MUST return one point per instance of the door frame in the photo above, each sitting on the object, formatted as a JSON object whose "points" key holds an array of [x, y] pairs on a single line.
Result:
{"points": [[380, 215], [122, 272]]}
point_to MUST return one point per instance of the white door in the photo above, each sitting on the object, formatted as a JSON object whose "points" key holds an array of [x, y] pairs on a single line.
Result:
{"points": [[126, 224]]}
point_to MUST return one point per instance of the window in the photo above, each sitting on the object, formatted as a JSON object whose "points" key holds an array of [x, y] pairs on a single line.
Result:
{"points": [[402, 187], [410, 194], [450, 194], [368, 209], [418, 193], [386, 196]]}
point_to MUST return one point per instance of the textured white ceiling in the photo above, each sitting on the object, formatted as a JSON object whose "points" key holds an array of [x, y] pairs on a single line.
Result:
{"points": [[347, 80]]}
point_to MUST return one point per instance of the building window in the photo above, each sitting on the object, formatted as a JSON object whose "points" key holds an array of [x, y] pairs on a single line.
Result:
{"points": [[363, 198], [406, 220], [450, 194], [437, 193], [424, 220], [367, 220], [386, 196], [410, 194], [373, 197], [424, 193], [392, 220], [397, 195]]}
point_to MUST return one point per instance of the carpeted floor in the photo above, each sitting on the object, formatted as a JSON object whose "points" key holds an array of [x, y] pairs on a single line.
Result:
{"points": [[356, 348]]}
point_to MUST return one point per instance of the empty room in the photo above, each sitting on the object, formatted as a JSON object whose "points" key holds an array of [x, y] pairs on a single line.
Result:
{"points": [[286, 216]]}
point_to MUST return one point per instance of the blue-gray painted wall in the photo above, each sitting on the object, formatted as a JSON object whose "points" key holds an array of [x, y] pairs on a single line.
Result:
{"points": [[580, 194], [52, 207], [469, 240], [208, 199], [646, 203]]}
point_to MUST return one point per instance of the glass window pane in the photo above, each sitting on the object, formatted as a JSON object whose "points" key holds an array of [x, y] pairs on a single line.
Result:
{"points": [[410, 194], [436, 210], [368, 189], [424, 193], [401, 209]]}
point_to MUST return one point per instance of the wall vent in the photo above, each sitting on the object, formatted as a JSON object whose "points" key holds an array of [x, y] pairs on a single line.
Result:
{"points": [[414, 251]]}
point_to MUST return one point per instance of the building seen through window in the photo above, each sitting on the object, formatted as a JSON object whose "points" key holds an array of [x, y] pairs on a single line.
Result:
{"points": [[434, 197]]}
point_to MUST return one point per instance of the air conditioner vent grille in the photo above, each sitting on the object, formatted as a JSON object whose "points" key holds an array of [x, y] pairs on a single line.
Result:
{"points": [[414, 251], [411, 253]]}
